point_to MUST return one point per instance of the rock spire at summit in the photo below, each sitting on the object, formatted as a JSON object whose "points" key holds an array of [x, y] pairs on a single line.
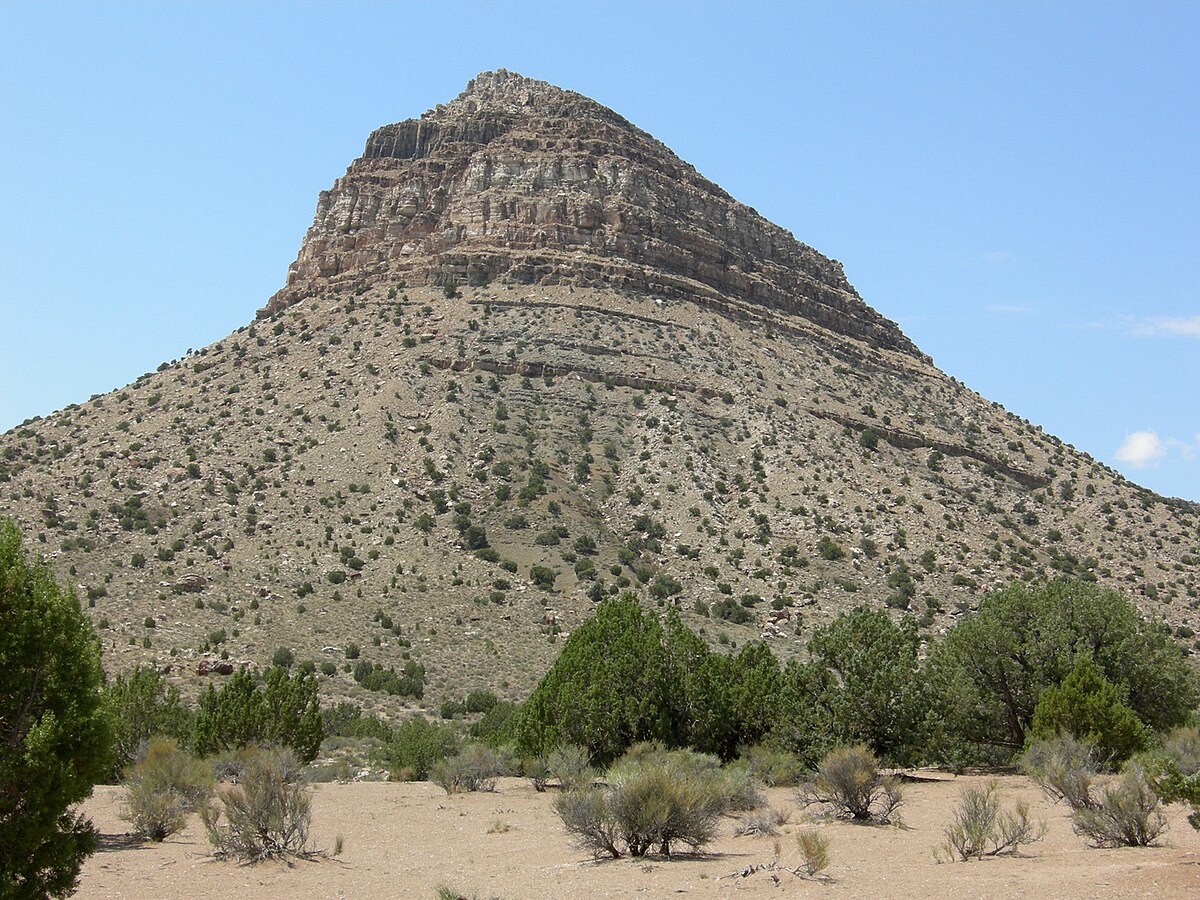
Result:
{"points": [[518, 181]]}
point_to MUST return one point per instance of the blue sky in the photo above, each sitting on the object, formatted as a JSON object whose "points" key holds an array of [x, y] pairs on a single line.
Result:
{"points": [[1016, 184]]}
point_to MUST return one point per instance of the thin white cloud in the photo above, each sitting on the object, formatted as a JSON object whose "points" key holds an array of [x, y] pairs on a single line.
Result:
{"points": [[1008, 310], [1142, 448], [997, 256], [1165, 326]]}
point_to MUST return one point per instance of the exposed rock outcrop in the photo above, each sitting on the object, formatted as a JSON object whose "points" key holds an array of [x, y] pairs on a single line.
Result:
{"points": [[521, 181]]}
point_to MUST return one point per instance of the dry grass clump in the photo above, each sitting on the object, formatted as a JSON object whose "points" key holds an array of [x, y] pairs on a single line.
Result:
{"points": [[815, 850], [982, 827], [761, 821]]}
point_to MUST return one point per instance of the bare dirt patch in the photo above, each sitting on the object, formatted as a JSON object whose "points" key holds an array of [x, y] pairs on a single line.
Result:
{"points": [[406, 840]]}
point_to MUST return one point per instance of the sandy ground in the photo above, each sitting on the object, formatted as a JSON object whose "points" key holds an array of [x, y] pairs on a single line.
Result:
{"points": [[406, 840]]}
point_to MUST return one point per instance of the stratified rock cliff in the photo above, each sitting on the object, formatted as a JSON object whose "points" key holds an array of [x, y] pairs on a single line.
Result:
{"points": [[519, 181]]}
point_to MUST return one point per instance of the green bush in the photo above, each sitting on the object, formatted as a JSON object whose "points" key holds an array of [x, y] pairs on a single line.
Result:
{"points": [[141, 704], [416, 745], [848, 780], [347, 720], [1175, 769], [495, 726], [1090, 707], [163, 787], [57, 733], [284, 657], [774, 768]]}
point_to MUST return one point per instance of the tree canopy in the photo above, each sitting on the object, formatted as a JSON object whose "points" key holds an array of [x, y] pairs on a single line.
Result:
{"points": [[990, 670], [286, 712], [55, 734]]}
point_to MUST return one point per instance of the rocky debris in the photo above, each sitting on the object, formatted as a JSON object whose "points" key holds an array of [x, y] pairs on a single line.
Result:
{"points": [[192, 583]]}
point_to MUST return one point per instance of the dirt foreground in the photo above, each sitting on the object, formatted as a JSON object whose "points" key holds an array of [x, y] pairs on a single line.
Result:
{"points": [[407, 840]]}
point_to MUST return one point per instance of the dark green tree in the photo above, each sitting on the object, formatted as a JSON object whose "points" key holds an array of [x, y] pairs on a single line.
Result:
{"points": [[141, 705], [988, 673], [606, 691], [803, 726], [868, 679], [55, 734], [287, 713], [416, 745], [1089, 706], [697, 695], [754, 685], [293, 712]]}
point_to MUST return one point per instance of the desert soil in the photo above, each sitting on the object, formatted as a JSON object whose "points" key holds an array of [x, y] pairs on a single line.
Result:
{"points": [[407, 840]]}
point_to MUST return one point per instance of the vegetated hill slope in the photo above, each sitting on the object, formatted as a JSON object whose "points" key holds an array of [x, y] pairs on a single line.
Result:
{"points": [[527, 359]]}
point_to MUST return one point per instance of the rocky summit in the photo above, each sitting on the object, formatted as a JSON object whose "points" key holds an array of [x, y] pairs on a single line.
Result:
{"points": [[527, 358]]}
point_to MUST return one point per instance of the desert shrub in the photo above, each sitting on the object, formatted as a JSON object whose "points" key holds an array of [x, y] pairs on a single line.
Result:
{"points": [[774, 768], [980, 826], [56, 732], [475, 768], [650, 803], [1174, 769], [1063, 767], [416, 745], [848, 780], [163, 787], [1127, 813], [1091, 707], [585, 813], [814, 849], [570, 766], [742, 790], [266, 815], [537, 770]]}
